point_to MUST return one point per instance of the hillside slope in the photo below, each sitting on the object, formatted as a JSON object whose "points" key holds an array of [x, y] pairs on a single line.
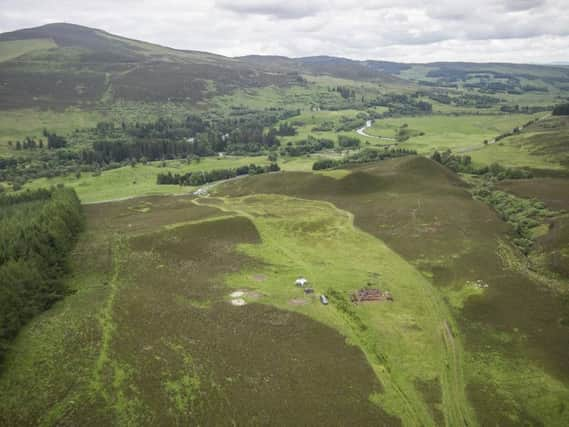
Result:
{"points": [[64, 64], [487, 77], [58, 65]]}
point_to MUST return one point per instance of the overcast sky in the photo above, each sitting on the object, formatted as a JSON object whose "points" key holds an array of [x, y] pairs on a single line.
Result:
{"points": [[399, 30]]}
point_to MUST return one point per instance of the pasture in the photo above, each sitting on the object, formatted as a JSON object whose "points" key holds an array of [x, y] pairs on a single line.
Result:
{"points": [[441, 132], [140, 180], [542, 145], [18, 124]]}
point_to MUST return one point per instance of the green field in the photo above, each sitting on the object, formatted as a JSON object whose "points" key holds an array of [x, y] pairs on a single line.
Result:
{"points": [[542, 145], [441, 132], [18, 124], [128, 181], [140, 180]]}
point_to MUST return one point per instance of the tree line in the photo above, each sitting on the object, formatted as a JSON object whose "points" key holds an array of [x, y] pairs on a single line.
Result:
{"points": [[306, 146], [37, 231], [110, 145], [365, 156], [463, 164], [204, 177], [54, 141], [194, 136], [561, 110]]}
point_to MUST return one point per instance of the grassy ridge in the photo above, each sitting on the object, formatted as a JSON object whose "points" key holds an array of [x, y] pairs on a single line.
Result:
{"points": [[406, 342], [426, 214]]}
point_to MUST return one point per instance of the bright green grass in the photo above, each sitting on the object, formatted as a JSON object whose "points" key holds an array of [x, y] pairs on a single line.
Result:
{"points": [[439, 107], [513, 155], [14, 48], [404, 341], [449, 132], [545, 99], [308, 120], [294, 97], [303, 164], [316, 93], [17, 124], [541, 145], [128, 181]]}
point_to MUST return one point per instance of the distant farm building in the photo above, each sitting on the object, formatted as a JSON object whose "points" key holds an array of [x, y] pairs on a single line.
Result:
{"points": [[301, 282], [369, 294]]}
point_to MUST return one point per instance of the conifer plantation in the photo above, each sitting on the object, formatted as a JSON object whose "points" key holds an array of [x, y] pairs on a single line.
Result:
{"points": [[37, 232]]}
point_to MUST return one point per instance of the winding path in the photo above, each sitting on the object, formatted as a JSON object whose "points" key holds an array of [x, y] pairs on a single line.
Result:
{"points": [[361, 131]]}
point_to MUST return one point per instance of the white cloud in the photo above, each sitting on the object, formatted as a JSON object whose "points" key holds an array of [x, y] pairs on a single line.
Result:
{"points": [[402, 30], [275, 8]]}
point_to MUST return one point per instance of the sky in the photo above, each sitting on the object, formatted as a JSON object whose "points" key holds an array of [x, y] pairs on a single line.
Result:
{"points": [[523, 31]]}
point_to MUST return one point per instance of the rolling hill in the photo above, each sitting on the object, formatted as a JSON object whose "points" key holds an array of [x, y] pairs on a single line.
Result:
{"points": [[489, 77], [64, 64], [59, 65]]}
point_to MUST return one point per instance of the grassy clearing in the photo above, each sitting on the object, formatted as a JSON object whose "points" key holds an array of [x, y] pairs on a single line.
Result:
{"points": [[542, 145], [17, 124], [449, 132], [128, 181], [293, 97], [513, 155], [404, 341]]}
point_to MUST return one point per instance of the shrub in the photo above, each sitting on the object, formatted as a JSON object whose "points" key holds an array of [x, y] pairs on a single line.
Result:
{"points": [[561, 110]]}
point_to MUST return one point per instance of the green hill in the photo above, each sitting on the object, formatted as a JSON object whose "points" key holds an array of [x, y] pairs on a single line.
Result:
{"points": [[64, 64], [60, 65]]}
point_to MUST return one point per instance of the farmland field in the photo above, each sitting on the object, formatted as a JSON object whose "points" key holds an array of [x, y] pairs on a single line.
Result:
{"points": [[128, 181], [443, 132], [542, 145]]}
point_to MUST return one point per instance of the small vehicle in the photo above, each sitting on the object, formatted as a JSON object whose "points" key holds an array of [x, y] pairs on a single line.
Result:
{"points": [[323, 299]]}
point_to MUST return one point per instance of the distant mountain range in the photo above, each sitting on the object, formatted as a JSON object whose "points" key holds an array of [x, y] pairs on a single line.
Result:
{"points": [[58, 65]]}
